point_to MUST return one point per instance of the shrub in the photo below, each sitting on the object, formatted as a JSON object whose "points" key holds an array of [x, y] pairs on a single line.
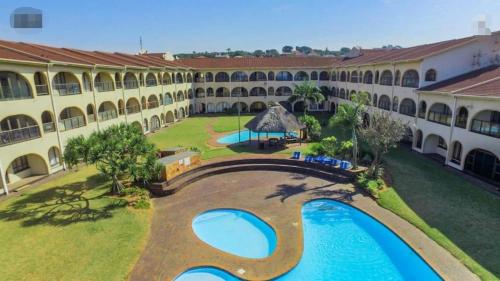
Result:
{"points": [[317, 149], [344, 149], [371, 185], [329, 145], [313, 127]]}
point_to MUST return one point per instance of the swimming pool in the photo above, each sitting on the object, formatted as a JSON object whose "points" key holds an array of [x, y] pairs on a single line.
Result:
{"points": [[233, 137], [343, 243], [236, 232], [206, 274]]}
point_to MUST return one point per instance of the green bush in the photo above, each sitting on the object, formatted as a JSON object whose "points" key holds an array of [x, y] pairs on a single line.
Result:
{"points": [[313, 127], [370, 185], [317, 149]]}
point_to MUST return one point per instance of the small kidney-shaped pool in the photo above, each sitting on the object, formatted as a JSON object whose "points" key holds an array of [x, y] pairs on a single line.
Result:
{"points": [[245, 135], [236, 232]]}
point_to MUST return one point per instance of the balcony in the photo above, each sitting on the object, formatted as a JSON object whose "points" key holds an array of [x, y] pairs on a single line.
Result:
{"points": [[150, 83], [486, 128], [438, 117], [130, 84], [49, 127], [133, 109], [42, 90], [8, 93], [68, 89], [91, 118], [104, 86], [71, 123], [118, 84], [153, 104], [19, 135], [107, 115]]}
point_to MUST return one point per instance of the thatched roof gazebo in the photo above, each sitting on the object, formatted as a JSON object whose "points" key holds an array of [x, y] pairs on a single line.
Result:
{"points": [[275, 119]]}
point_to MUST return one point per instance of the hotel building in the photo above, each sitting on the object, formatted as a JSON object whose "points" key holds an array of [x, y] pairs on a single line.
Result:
{"points": [[448, 94]]}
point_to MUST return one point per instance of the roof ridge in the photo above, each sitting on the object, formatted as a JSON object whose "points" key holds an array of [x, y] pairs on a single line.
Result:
{"points": [[90, 54]]}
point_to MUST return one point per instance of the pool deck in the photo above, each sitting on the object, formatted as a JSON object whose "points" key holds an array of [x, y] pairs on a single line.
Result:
{"points": [[277, 198]]}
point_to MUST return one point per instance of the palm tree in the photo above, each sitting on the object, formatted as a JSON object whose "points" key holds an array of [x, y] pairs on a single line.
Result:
{"points": [[350, 116], [306, 92]]}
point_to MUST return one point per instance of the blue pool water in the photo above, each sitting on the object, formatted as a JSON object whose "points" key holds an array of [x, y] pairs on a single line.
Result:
{"points": [[205, 274], [343, 243], [233, 137], [236, 232]]}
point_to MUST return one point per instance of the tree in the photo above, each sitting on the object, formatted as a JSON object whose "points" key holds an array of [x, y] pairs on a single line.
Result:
{"points": [[287, 49], [313, 128], [383, 134], [118, 152], [258, 53], [306, 92], [272, 53], [349, 116]]}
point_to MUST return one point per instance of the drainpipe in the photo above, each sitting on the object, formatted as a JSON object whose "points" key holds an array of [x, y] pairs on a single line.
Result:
{"points": [[96, 114], [140, 101], [56, 116], [4, 181], [452, 125]]}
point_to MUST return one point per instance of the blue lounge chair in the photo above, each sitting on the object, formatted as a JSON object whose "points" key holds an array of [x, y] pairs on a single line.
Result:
{"points": [[319, 159], [327, 161], [296, 155], [335, 162], [308, 158], [345, 165]]}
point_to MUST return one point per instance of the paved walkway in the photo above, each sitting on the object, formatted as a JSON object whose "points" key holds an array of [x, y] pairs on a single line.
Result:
{"points": [[275, 197]]}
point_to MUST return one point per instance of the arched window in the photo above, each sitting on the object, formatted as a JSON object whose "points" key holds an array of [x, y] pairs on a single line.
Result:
{"points": [[221, 77], [210, 92], [397, 79], [410, 79], [395, 104], [342, 94], [189, 78], [348, 76], [375, 99], [461, 121], [198, 77], [343, 76], [314, 75], [209, 77], [222, 92], [178, 78], [258, 76], [376, 77], [407, 107], [419, 139], [301, 76], [324, 76], [270, 76], [239, 92], [54, 157], [14, 86], [354, 77], [130, 81], [141, 79], [422, 109], [18, 128], [440, 113], [386, 78], [284, 76], [270, 91], [258, 91], [151, 80], [283, 91], [40, 84], [487, 122], [334, 76], [368, 77], [430, 75], [456, 153], [384, 102], [200, 93], [239, 76]]}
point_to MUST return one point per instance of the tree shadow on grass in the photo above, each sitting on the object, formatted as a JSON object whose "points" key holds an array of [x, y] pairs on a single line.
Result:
{"points": [[64, 205]]}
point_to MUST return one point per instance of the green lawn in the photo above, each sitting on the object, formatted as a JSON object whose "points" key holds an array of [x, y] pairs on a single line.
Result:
{"points": [[461, 217], [226, 123], [69, 229]]}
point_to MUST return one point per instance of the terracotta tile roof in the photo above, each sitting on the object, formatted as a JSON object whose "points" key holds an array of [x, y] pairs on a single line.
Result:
{"points": [[260, 62], [35, 50], [11, 54], [481, 82]]}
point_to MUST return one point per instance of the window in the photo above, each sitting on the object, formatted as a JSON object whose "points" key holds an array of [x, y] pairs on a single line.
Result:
{"points": [[442, 143], [376, 77], [54, 157], [334, 76], [440, 113], [384, 102], [398, 78], [270, 76], [221, 77], [343, 76], [354, 77], [284, 76], [386, 78], [422, 109], [407, 107], [368, 77], [456, 155], [314, 75], [461, 121], [258, 76], [324, 76], [375, 99], [209, 77], [239, 76], [20, 164], [410, 79], [430, 75], [301, 76], [418, 144], [395, 104]]}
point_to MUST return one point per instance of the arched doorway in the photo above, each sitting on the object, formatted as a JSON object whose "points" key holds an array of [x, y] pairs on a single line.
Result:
{"points": [[26, 166], [155, 123], [243, 107], [483, 164], [257, 106]]}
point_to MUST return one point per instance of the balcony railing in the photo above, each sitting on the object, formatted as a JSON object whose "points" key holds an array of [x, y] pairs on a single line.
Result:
{"points": [[486, 128], [438, 117], [131, 84], [68, 89], [133, 109], [19, 135], [104, 86], [49, 127], [71, 123], [91, 118], [150, 83], [153, 104], [7, 93], [107, 115], [42, 90]]}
